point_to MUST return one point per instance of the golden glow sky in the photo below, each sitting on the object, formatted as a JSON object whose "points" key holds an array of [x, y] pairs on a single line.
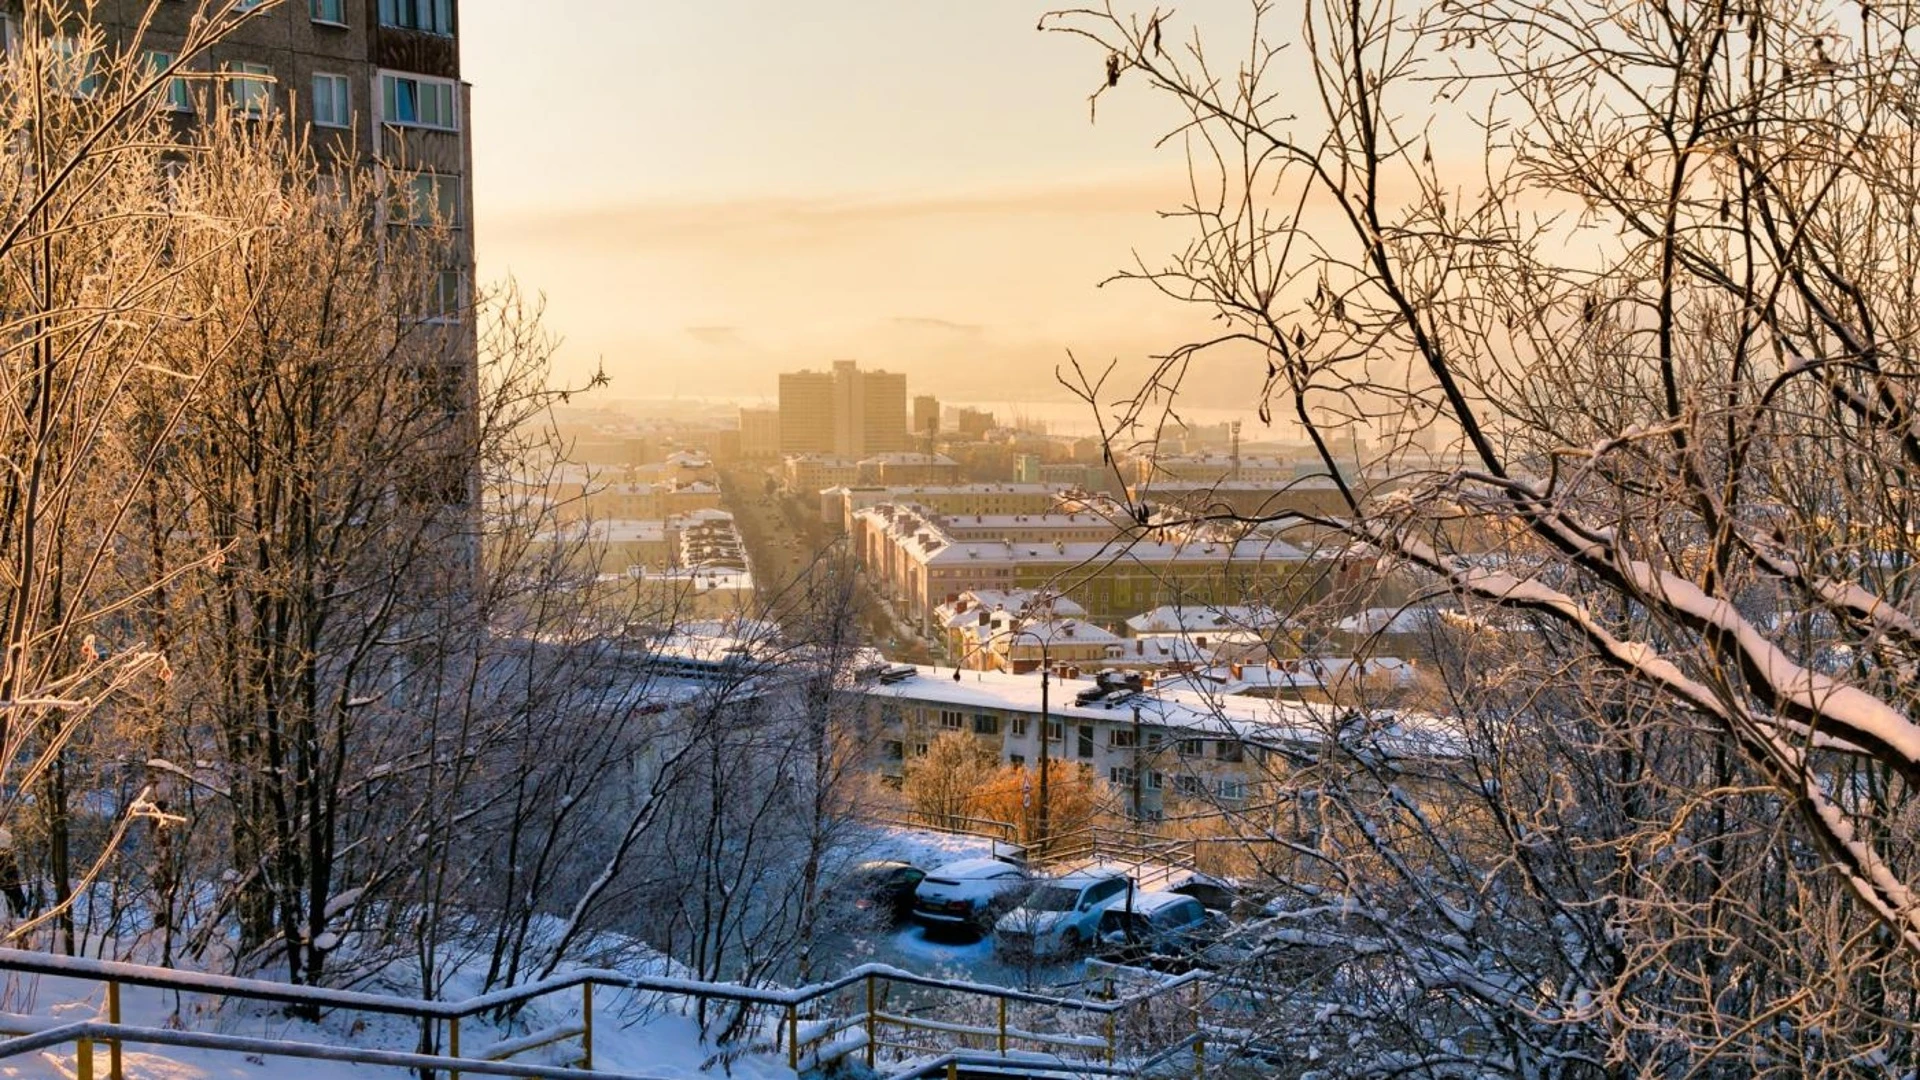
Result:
{"points": [[711, 191]]}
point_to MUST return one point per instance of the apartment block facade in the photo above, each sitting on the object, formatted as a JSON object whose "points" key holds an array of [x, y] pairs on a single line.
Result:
{"points": [[374, 84]]}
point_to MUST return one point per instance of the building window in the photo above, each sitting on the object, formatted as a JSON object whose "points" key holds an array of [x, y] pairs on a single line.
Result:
{"points": [[417, 101], [1086, 740], [332, 101], [250, 88], [1190, 748], [247, 5], [331, 12], [986, 724], [1121, 739], [950, 719], [1054, 734], [1229, 750], [893, 750], [1187, 786], [1233, 790], [429, 199], [449, 296], [919, 749], [1120, 776], [174, 94], [80, 71], [431, 16], [1018, 761], [1019, 725], [1156, 781]]}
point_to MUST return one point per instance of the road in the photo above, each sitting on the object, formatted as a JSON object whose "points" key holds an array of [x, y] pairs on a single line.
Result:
{"points": [[787, 541]]}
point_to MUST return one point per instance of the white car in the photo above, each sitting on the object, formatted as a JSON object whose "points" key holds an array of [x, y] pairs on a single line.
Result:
{"points": [[967, 894], [1060, 916]]}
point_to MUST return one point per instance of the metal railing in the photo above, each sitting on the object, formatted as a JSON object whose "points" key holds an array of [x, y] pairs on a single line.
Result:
{"points": [[1116, 1029]]}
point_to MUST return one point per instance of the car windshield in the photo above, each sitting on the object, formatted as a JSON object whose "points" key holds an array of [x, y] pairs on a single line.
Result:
{"points": [[1052, 898]]}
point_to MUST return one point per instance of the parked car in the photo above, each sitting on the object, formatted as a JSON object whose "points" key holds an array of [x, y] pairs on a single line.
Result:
{"points": [[1164, 925], [883, 887], [1060, 916], [969, 894]]}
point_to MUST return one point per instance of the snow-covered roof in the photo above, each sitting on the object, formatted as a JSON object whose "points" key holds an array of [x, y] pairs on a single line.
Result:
{"points": [[967, 607], [1390, 620], [1195, 618], [1255, 719]]}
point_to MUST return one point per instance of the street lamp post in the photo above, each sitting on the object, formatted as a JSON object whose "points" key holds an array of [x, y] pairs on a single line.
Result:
{"points": [[1046, 676]]}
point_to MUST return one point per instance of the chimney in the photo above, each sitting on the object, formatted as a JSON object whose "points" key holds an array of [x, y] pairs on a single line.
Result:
{"points": [[1236, 669]]}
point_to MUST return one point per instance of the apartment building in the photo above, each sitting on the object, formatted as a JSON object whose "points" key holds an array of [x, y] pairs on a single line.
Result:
{"points": [[839, 504], [919, 561], [374, 83], [1176, 744]]}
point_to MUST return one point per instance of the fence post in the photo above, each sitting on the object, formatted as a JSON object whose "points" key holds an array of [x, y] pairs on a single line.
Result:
{"points": [[586, 1021], [873, 1024], [1110, 1038], [113, 1017], [1003, 1026], [953, 1069], [453, 1044], [793, 1037], [83, 1059]]}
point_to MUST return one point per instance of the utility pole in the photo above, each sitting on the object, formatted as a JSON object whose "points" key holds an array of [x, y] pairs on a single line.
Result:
{"points": [[1045, 675], [1138, 812]]}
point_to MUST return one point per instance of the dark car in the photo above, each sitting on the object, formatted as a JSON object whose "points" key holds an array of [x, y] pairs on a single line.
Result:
{"points": [[1156, 926], [884, 887]]}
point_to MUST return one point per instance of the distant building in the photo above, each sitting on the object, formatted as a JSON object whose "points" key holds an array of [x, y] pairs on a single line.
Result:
{"points": [[845, 412], [806, 412], [973, 423], [1026, 469], [926, 416], [805, 474], [839, 504], [760, 434], [908, 468], [920, 559]]}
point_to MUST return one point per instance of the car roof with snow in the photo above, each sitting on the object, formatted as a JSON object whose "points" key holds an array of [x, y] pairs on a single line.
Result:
{"points": [[967, 869], [1080, 879], [1146, 903]]}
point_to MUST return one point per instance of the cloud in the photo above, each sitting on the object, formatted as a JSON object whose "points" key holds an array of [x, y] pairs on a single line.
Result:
{"points": [[923, 322], [715, 335], [760, 220]]}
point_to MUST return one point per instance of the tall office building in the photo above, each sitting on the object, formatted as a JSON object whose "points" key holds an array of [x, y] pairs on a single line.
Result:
{"points": [[845, 412], [806, 412]]}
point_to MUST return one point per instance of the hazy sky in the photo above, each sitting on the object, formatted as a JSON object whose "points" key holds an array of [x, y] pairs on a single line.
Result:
{"points": [[709, 191]]}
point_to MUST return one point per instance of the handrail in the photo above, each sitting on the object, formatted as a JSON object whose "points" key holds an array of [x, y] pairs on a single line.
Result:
{"points": [[117, 972], [96, 1031], [935, 1067]]}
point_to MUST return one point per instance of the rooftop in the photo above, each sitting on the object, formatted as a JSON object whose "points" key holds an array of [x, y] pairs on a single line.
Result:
{"points": [[1257, 720]]}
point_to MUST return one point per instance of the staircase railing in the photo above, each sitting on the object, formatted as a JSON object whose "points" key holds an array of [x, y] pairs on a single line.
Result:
{"points": [[891, 1011]]}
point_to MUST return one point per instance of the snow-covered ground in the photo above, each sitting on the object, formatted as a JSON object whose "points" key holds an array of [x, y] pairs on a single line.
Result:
{"points": [[640, 1034]]}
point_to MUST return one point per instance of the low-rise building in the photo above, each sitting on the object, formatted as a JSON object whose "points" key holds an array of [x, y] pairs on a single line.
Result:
{"points": [[808, 474], [839, 504], [903, 468], [1150, 745]]}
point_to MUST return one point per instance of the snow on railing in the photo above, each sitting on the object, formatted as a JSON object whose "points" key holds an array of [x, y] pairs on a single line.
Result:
{"points": [[817, 1032]]}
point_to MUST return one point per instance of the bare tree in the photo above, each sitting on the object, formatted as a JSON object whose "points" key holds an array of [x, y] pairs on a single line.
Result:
{"points": [[1620, 296]]}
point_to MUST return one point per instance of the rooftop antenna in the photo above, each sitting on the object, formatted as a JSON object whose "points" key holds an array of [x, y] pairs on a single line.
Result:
{"points": [[1235, 429]]}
